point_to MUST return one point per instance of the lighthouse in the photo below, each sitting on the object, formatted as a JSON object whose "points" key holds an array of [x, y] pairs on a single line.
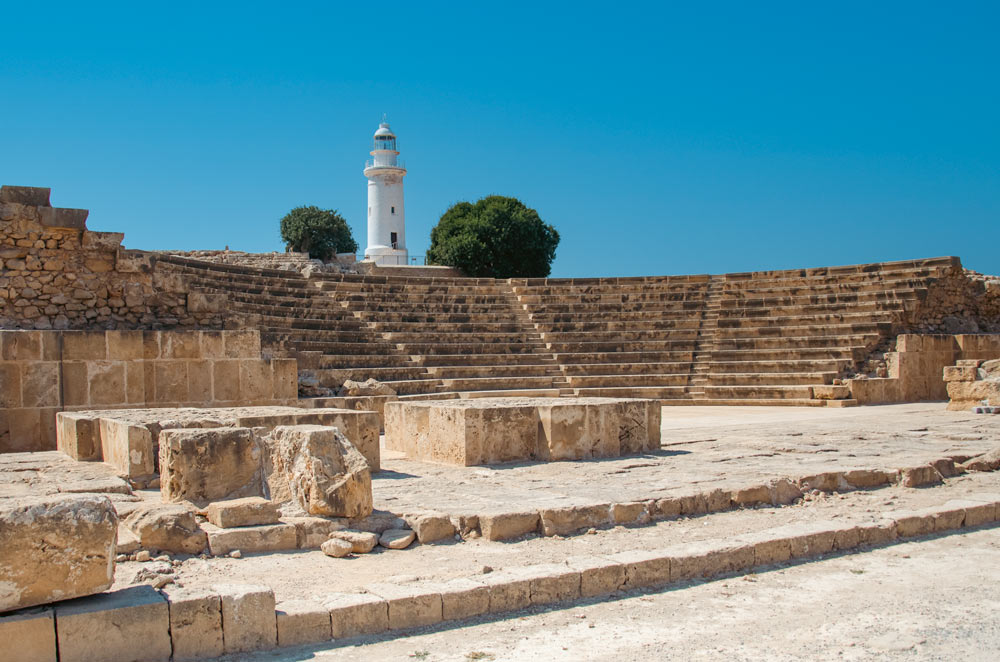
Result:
{"points": [[386, 229]]}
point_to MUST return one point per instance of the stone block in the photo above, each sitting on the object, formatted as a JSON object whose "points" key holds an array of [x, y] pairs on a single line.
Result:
{"points": [[226, 381], [256, 381], [200, 388], [10, 379], [129, 625], [79, 436], [880, 532], [195, 622], [127, 447], [180, 345], [266, 538], [55, 547], [509, 590], [920, 476], [212, 345], [84, 346], [463, 598], [202, 465], [75, 384], [242, 344], [806, 539], [561, 521], [361, 542], [909, 524], [171, 379], [960, 373], [285, 379], [302, 622], [553, 582], [504, 526], [643, 567], [708, 559], [124, 345], [168, 528], [248, 618], [33, 196], [31, 633], [320, 470], [311, 532], [248, 511], [356, 614], [40, 384], [430, 527], [21, 345], [598, 576], [629, 513], [202, 302], [107, 382]]}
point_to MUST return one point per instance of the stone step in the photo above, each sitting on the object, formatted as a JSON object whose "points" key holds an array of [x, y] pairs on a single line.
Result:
{"points": [[431, 337], [830, 319], [366, 348], [894, 306], [671, 356], [496, 383], [641, 380], [771, 378], [338, 376], [502, 370], [751, 402], [413, 386], [462, 323], [657, 368], [798, 337], [620, 346], [580, 310], [545, 314], [608, 326], [652, 392], [616, 298], [786, 365], [565, 337], [768, 392], [468, 347], [483, 359], [843, 353], [353, 361]]}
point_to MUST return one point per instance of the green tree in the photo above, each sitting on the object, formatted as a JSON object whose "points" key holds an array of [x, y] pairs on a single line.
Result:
{"points": [[320, 232], [496, 237]]}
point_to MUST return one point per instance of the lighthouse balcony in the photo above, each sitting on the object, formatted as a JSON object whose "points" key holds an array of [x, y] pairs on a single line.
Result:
{"points": [[372, 165]]}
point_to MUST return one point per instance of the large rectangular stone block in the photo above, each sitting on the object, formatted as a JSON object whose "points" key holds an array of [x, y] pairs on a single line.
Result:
{"points": [[195, 622], [79, 436], [209, 464], [248, 617], [488, 431], [130, 625], [54, 548], [302, 622], [356, 614], [127, 447], [29, 635]]}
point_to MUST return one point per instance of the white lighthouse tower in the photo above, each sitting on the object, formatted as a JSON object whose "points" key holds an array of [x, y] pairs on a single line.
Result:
{"points": [[386, 229]]}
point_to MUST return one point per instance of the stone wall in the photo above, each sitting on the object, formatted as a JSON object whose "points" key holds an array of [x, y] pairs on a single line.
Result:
{"points": [[57, 274], [917, 365], [961, 302], [44, 372]]}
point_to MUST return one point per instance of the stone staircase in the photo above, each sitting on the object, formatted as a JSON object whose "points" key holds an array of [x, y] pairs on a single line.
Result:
{"points": [[749, 338]]}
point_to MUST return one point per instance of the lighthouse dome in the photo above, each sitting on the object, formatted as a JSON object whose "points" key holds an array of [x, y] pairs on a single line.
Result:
{"points": [[384, 130]]}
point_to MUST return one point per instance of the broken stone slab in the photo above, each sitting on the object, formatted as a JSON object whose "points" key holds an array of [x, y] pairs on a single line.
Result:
{"points": [[55, 547], [266, 538], [32, 196], [318, 468], [352, 388], [989, 461], [120, 626], [561, 521], [31, 632], [397, 538], [504, 526], [248, 619], [430, 526], [248, 511], [311, 532], [202, 465], [195, 622], [168, 528]]}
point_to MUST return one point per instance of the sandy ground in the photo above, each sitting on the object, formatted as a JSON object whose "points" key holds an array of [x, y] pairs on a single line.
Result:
{"points": [[931, 599]]}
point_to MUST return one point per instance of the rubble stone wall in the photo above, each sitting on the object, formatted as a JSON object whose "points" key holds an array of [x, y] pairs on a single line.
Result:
{"points": [[45, 372], [961, 302], [57, 274]]}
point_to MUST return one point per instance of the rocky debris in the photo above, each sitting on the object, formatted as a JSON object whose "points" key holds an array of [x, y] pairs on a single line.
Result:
{"points": [[202, 465], [920, 476], [337, 548], [309, 386], [986, 462], [170, 528], [368, 387], [55, 548], [397, 538], [361, 542], [973, 383], [431, 526], [248, 511], [311, 532], [378, 521], [318, 468]]}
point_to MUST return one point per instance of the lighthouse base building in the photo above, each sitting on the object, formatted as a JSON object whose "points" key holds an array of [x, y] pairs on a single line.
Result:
{"points": [[386, 218]]}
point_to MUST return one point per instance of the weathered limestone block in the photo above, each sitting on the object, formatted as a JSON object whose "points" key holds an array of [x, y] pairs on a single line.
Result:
{"points": [[248, 618], [430, 526], [353, 388], [488, 431], [410, 605], [203, 465], [504, 526], [356, 614], [318, 468], [965, 395], [302, 622], [127, 447], [31, 633], [463, 598], [55, 547], [79, 436], [361, 542], [266, 538], [123, 626], [311, 532], [195, 622], [248, 511], [166, 527]]}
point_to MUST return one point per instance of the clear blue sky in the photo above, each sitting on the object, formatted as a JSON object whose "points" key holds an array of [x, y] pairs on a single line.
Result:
{"points": [[658, 139]]}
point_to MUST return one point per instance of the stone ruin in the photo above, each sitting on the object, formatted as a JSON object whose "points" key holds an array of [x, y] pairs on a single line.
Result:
{"points": [[157, 406]]}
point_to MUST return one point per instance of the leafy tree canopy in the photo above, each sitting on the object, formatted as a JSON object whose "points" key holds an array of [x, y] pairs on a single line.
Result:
{"points": [[320, 232], [496, 237]]}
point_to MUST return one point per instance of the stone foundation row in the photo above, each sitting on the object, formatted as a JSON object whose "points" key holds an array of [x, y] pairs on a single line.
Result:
{"points": [[142, 623]]}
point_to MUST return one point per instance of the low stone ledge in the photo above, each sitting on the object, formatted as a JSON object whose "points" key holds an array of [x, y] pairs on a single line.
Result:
{"points": [[32, 632], [195, 622], [249, 621], [120, 626]]}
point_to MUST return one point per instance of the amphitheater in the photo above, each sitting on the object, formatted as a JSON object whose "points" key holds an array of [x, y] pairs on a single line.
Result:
{"points": [[189, 451]]}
